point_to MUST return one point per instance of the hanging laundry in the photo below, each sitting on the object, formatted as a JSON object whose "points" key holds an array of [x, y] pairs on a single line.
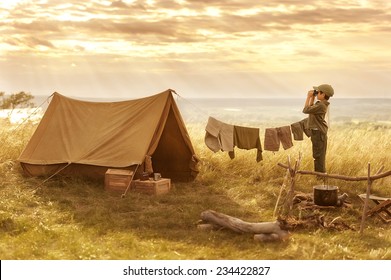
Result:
{"points": [[219, 135], [275, 136], [298, 128], [247, 138]]}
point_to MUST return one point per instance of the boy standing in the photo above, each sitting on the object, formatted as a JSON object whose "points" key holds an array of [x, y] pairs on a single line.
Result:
{"points": [[317, 123]]}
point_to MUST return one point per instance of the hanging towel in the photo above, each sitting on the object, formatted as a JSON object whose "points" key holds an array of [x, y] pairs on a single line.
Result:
{"points": [[298, 128], [285, 135], [275, 136], [271, 143], [247, 138], [219, 135], [297, 131]]}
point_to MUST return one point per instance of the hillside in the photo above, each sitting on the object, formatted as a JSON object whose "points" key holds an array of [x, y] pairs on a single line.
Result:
{"points": [[73, 218]]}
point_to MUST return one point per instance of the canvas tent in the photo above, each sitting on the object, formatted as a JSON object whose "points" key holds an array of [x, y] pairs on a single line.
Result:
{"points": [[78, 137]]}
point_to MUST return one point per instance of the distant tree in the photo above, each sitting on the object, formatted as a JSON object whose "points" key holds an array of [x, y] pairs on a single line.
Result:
{"points": [[21, 99]]}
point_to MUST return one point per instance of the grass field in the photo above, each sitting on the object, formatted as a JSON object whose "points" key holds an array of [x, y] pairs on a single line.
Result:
{"points": [[72, 218]]}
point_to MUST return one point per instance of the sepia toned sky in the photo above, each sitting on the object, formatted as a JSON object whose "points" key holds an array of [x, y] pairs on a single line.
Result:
{"points": [[200, 48]]}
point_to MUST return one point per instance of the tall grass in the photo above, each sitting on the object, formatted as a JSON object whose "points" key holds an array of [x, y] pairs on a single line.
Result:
{"points": [[73, 218]]}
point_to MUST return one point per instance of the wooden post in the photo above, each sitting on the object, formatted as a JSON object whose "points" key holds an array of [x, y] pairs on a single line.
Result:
{"points": [[368, 193], [289, 201], [289, 198], [291, 193], [280, 194], [364, 212]]}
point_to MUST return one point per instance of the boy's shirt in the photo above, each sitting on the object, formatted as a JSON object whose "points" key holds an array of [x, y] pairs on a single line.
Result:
{"points": [[316, 116]]}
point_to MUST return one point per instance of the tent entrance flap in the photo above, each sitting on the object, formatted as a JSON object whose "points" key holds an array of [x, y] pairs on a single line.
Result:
{"points": [[172, 156]]}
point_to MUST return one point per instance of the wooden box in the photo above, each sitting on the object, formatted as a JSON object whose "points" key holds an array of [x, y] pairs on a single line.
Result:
{"points": [[117, 179], [150, 186]]}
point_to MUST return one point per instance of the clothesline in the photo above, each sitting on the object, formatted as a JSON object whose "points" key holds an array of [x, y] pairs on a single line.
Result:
{"points": [[221, 136], [224, 137]]}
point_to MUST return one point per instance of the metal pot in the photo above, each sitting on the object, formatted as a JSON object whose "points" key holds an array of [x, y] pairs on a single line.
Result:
{"points": [[325, 195]]}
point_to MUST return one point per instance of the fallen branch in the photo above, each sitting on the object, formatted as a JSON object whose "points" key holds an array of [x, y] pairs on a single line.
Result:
{"points": [[264, 231], [315, 220]]}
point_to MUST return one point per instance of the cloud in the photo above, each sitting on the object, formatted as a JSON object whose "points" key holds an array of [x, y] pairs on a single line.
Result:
{"points": [[37, 26], [30, 42], [119, 4], [34, 42], [199, 36], [174, 22]]}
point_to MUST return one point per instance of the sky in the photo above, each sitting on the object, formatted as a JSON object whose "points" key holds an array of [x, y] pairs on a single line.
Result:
{"points": [[199, 48]]}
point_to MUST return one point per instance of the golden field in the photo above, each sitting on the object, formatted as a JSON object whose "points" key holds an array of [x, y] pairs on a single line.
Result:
{"points": [[73, 218]]}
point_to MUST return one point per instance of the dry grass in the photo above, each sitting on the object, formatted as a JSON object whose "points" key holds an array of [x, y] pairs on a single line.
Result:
{"points": [[71, 218]]}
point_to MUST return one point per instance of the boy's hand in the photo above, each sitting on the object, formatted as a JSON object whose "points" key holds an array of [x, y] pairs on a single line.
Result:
{"points": [[310, 93]]}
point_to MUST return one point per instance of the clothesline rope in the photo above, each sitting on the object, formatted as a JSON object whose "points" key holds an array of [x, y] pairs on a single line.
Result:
{"points": [[278, 139], [191, 103]]}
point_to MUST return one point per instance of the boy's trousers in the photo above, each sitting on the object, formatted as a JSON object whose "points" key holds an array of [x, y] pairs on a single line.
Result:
{"points": [[319, 147]]}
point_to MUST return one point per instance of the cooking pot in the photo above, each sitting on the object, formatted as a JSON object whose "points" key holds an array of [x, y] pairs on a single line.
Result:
{"points": [[325, 195]]}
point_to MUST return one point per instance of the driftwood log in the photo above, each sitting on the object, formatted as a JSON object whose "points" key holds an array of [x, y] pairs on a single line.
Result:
{"points": [[264, 231]]}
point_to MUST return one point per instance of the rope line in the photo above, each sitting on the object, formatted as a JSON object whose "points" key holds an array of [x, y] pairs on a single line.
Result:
{"points": [[54, 174], [29, 116], [207, 114]]}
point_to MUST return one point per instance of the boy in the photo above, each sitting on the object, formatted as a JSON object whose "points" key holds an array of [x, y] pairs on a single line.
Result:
{"points": [[317, 123]]}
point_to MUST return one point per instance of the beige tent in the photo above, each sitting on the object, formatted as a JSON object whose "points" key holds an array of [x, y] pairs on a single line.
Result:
{"points": [[78, 137]]}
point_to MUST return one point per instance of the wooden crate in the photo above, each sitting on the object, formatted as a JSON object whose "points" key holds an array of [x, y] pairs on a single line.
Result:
{"points": [[117, 179], [152, 187]]}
